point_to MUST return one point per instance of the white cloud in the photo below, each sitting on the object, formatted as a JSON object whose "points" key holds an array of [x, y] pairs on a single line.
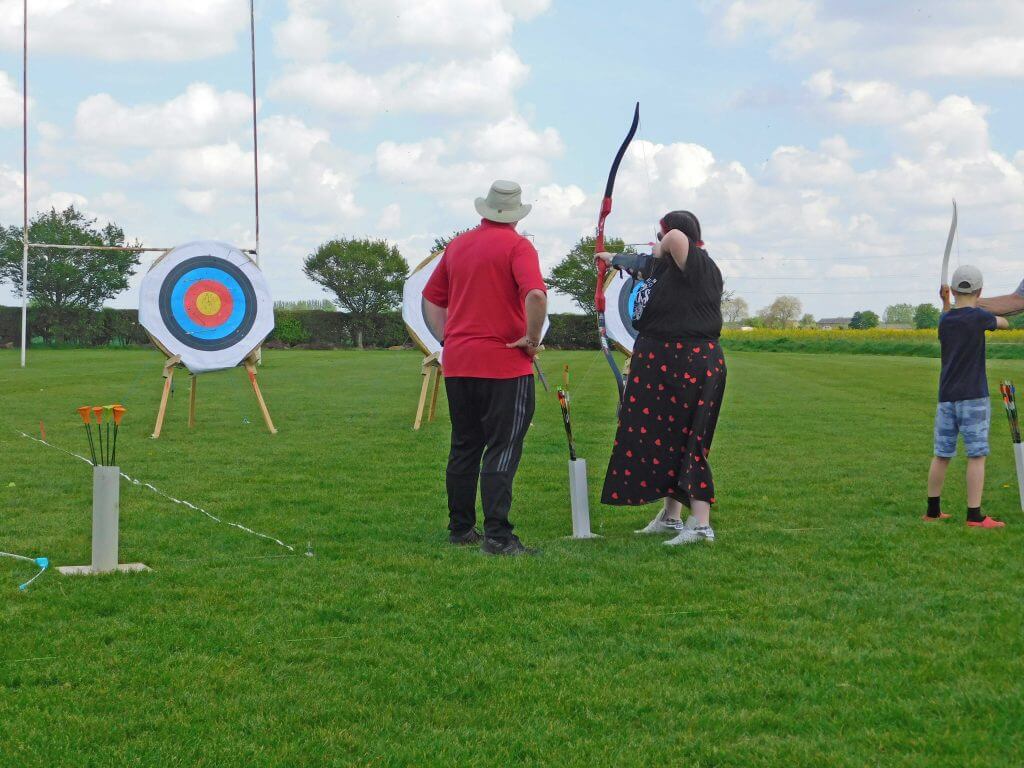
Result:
{"points": [[474, 26], [10, 102], [198, 201], [119, 30], [454, 88], [461, 167], [302, 37], [953, 126], [200, 115], [333, 87], [937, 39], [390, 218]]}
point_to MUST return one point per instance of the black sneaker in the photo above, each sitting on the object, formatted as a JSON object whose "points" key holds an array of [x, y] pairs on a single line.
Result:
{"points": [[472, 536], [512, 547]]}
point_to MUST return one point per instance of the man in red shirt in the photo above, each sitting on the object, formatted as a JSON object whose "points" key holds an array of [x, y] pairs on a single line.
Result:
{"points": [[488, 301]]}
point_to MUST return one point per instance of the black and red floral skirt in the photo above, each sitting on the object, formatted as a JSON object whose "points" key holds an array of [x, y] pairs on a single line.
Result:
{"points": [[667, 423]]}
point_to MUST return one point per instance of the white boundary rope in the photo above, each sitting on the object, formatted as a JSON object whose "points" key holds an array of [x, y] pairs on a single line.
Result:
{"points": [[162, 494]]}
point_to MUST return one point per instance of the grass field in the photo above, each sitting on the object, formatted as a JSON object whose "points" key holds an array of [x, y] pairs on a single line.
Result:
{"points": [[827, 626]]}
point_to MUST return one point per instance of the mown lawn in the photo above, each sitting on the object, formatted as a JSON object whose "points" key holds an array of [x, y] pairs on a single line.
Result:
{"points": [[827, 626]]}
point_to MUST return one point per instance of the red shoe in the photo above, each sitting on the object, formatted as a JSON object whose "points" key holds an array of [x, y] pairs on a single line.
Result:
{"points": [[942, 516], [988, 522]]}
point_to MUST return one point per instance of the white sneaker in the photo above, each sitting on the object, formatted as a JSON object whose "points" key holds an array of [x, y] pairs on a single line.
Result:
{"points": [[660, 525], [690, 535]]}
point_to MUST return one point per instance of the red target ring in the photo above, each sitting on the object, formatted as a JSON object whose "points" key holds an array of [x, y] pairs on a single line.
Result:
{"points": [[208, 303]]}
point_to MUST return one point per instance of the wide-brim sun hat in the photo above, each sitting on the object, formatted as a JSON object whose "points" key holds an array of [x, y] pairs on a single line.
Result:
{"points": [[503, 204]]}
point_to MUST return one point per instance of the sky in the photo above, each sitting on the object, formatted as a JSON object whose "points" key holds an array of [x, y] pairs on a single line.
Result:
{"points": [[820, 142]]}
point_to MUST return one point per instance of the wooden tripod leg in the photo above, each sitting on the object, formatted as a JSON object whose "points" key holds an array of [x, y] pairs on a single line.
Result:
{"points": [[251, 369], [435, 374], [423, 397], [192, 403], [168, 377]]}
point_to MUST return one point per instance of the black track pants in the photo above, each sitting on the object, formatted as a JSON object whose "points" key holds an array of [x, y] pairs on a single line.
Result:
{"points": [[489, 421]]}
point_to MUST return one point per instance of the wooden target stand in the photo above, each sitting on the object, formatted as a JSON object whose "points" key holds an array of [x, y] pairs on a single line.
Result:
{"points": [[432, 375], [174, 361]]}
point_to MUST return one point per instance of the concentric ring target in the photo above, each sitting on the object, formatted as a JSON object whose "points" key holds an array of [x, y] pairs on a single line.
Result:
{"points": [[620, 293], [207, 302]]}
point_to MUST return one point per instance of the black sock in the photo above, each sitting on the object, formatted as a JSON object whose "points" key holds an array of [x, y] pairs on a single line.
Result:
{"points": [[933, 506], [974, 515]]}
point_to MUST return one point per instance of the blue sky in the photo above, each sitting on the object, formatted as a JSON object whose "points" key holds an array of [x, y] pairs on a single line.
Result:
{"points": [[819, 142]]}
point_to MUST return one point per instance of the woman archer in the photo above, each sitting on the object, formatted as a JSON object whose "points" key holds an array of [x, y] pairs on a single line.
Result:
{"points": [[676, 382]]}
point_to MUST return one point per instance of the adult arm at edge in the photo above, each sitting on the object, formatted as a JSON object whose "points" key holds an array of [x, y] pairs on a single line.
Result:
{"points": [[1003, 305], [436, 317]]}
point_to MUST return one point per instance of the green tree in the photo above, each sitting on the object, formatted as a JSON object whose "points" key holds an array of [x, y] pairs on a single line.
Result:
{"points": [[807, 321], [926, 316], [576, 276], [734, 309], [899, 314], [440, 243], [862, 321], [781, 313], [64, 283], [365, 275]]}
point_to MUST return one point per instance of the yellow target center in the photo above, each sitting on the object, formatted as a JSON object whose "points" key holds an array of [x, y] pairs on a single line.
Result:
{"points": [[208, 303]]}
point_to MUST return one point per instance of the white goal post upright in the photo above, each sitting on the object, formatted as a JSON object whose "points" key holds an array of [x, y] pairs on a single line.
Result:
{"points": [[24, 180], [26, 245]]}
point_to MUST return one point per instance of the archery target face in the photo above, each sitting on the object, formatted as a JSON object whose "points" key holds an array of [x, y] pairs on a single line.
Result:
{"points": [[209, 303], [620, 297], [413, 303]]}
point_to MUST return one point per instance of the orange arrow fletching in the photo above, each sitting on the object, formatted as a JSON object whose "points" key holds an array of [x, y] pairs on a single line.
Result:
{"points": [[98, 410], [84, 413], [119, 411]]}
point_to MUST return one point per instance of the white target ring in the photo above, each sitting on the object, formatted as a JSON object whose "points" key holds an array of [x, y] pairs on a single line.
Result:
{"points": [[412, 307], [208, 302]]}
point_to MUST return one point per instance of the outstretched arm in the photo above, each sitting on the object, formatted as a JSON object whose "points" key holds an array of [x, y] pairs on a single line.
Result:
{"points": [[1002, 324], [1003, 305]]}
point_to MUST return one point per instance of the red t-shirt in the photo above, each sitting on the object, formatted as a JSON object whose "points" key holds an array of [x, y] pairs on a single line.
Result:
{"points": [[483, 278]]}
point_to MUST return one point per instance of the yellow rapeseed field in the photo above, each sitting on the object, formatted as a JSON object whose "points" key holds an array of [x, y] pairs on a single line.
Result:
{"points": [[875, 334]]}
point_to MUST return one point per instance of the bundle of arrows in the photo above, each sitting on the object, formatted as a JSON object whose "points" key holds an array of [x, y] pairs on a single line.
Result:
{"points": [[1009, 393], [102, 449]]}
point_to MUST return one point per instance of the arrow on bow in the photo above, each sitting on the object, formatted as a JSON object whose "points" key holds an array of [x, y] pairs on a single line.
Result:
{"points": [[949, 247], [602, 267]]}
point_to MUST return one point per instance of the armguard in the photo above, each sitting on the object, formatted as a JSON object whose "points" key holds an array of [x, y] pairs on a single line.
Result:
{"points": [[636, 264]]}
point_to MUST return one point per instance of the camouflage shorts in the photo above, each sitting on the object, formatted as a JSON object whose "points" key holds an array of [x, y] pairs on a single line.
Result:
{"points": [[969, 418]]}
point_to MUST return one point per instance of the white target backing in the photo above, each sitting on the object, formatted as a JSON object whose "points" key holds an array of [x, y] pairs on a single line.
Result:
{"points": [[412, 306], [208, 302]]}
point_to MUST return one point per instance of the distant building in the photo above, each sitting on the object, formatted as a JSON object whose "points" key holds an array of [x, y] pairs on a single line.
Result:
{"points": [[834, 323]]}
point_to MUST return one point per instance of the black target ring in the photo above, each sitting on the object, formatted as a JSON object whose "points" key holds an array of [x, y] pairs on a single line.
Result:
{"points": [[210, 267]]}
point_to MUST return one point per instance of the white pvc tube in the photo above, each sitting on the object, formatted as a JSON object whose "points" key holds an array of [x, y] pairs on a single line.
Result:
{"points": [[580, 499], [106, 492], [1018, 454]]}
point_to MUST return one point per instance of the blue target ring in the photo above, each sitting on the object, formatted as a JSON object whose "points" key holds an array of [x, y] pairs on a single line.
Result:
{"points": [[223, 279], [227, 282], [627, 303]]}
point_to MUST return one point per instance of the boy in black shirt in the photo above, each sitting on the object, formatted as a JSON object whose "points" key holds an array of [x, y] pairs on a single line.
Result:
{"points": [[964, 405]]}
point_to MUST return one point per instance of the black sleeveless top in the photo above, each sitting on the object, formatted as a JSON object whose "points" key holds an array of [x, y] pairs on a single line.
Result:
{"points": [[674, 304]]}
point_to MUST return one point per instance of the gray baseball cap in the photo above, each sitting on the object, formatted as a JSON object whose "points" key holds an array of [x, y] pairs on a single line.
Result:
{"points": [[966, 279]]}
